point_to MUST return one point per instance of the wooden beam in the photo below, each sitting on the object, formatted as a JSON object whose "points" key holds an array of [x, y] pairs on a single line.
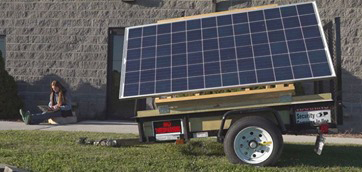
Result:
{"points": [[247, 91], [216, 13]]}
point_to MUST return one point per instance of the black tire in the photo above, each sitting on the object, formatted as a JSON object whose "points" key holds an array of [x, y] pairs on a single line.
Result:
{"points": [[253, 121]]}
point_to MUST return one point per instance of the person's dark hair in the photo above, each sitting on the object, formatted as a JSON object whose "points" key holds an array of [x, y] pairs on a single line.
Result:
{"points": [[61, 93]]}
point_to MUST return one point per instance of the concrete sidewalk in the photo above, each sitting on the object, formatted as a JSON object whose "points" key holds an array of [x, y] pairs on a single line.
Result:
{"points": [[131, 127]]}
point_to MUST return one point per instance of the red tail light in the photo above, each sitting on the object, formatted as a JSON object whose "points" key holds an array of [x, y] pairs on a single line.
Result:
{"points": [[324, 128]]}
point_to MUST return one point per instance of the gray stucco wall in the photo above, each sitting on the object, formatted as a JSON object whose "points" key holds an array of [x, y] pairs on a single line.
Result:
{"points": [[67, 40]]}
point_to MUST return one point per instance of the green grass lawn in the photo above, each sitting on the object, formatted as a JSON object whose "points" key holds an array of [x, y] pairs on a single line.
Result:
{"points": [[58, 151]]}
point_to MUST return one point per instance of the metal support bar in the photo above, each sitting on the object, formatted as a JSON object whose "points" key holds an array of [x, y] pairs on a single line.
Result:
{"points": [[221, 134], [185, 122], [141, 131], [338, 87]]}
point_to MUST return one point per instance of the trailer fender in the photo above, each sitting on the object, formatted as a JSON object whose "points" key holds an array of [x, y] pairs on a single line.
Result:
{"points": [[221, 134]]}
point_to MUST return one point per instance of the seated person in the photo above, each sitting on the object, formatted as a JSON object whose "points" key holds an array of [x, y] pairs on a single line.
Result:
{"points": [[59, 106]]}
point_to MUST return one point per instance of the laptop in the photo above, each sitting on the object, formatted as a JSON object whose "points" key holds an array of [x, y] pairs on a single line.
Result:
{"points": [[46, 108]]}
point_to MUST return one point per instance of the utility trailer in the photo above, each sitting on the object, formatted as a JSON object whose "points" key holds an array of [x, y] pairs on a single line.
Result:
{"points": [[248, 119]]}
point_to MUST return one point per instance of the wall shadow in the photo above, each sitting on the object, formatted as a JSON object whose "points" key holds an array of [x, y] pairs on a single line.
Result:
{"points": [[232, 4], [90, 100]]}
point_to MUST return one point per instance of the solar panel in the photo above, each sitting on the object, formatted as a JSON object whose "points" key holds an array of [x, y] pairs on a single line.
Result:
{"points": [[266, 46]]}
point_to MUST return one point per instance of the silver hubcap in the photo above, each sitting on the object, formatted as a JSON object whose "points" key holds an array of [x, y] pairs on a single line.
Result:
{"points": [[253, 145]]}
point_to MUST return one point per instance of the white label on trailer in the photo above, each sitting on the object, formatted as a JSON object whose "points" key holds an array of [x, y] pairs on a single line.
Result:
{"points": [[201, 134], [165, 137], [316, 117]]}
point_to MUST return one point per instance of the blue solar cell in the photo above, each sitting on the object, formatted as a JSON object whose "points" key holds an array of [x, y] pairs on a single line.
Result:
{"points": [[291, 22], [299, 58], [208, 22], [193, 24], [179, 60], [276, 36], [179, 48], [302, 71], [227, 54], [147, 75], [134, 33], [272, 13], [164, 61], [281, 60], [317, 56], [194, 46], [228, 66], [132, 77], [211, 56], [296, 45], [179, 84], [163, 74], [226, 42], [178, 26], [149, 41], [179, 72], [310, 32], [163, 39], [265, 75], [133, 65], [289, 11], [321, 69], [230, 79], [163, 28], [193, 35], [256, 16], [163, 50], [210, 44], [275, 24], [244, 52], [150, 30], [293, 34], [308, 20], [209, 33], [247, 77], [147, 88], [263, 62], [259, 38], [196, 82], [278, 48], [134, 43], [246, 64], [277, 44], [212, 68], [163, 86], [314, 43], [196, 70], [194, 58], [284, 73], [305, 9], [178, 37], [241, 29], [148, 52], [131, 89], [257, 26], [242, 40], [261, 50], [225, 31], [212, 81], [240, 18], [224, 20]]}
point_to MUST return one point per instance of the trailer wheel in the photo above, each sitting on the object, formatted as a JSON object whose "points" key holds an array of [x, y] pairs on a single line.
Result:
{"points": [[253, 140]]}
